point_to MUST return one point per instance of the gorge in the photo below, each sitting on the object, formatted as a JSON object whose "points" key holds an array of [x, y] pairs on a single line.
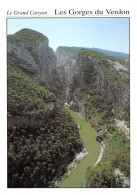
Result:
{"points": [[44, 136]]}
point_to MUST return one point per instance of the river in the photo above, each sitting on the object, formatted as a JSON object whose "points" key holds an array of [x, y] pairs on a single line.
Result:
{"points": [[88, 135]]}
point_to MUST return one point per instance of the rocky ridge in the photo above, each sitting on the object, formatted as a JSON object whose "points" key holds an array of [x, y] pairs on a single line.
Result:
{"points": [[66, 60], [36, 56], [108, 75], [42, 137]]}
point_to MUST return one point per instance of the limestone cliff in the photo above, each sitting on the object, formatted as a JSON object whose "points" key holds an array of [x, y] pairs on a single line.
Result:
{"points": [[111, 76], [66, 59], [101, 74], [30, 50], [74, 102]]}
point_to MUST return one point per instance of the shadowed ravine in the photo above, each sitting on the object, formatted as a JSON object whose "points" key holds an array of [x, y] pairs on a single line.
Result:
{"points": [[88, 135]]}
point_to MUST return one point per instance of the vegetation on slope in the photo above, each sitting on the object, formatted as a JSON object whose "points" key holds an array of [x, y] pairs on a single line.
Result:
{"points": [[101, 113], [37, 154], [98, 55], [28, 37], [25, 96], [91, 97], [120, 55], [116, 55], [116, 155]]}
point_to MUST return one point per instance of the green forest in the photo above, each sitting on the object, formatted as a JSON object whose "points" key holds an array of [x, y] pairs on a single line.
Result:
{"points": [[36, 155], [28, 37]]}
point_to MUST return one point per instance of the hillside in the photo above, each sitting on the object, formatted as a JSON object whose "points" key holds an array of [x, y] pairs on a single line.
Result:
{"points": [[103, 75], [27, 37], [30, 51], [25, 96], [42, 137], [100, 93], [119, 55], [67, 56], [75, 50]]}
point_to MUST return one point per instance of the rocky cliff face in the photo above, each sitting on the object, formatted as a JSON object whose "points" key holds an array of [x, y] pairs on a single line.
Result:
{"points": [[74, 102], [30, 50], [66, 59], [117, 87], [40, 130], [110, 76], [98, 74]]}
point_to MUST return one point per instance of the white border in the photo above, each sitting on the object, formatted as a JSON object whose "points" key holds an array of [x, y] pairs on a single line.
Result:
{"points": [[41, 5]]}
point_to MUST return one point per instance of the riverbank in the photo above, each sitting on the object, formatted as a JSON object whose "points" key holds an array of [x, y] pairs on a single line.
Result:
{"points": [[77, 176], [101, 153], [57, 182]]}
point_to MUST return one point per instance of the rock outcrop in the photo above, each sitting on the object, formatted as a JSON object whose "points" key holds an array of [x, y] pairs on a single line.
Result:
{"points": [[102, 75], [74, 102], [34, 56], [110, 76], [66, 60]]}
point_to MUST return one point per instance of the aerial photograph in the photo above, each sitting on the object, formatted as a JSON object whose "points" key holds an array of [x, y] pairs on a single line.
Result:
{"points": [[68, 103]]}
